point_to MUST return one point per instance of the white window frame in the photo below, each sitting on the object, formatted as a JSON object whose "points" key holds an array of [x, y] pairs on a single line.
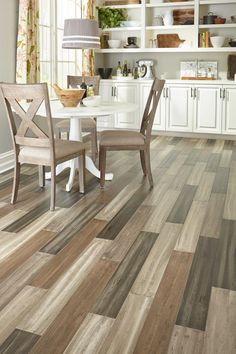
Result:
{"points": [[53, 26]]}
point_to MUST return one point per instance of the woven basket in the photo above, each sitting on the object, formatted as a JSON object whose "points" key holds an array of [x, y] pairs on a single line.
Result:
{"points": [[70, 97]]}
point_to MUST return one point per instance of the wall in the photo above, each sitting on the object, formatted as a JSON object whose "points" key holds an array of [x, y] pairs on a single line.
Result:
{"points": [[8, 25], [164, 62]]}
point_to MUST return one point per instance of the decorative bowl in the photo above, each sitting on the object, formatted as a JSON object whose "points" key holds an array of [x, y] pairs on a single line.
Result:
{"points": [[232, 43], [92, 101], [219, 21], [130, 24], [114, 43], [217, 41], [69, 97], [105, 73]]}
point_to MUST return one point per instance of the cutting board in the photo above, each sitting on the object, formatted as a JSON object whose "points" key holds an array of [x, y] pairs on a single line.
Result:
{"points": [[169, 40], [231, 67]]}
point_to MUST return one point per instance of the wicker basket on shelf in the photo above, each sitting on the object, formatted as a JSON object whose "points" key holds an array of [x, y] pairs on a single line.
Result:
{"points": [[69, 97]]}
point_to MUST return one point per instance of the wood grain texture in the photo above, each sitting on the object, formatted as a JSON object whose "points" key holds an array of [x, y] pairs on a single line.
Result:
{"points": [[161, 211], [194, 307], [205, 187], [159, 324], [214, 216], [196, 175], [226, 158], [117, 289], [91, 334], [221, 323], [154, 267], [213, 163], [190, 233], [132, 314], [186, 340], [21, 276], [38, 320], [225, 262], [181, 207], [64, 327], [221, 180], [19, 342], [117, 250], [19, 306]]}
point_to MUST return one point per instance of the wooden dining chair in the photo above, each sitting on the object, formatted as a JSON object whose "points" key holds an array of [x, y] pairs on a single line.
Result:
{"points": [[88, 125], [32, 144], [130, 140]]}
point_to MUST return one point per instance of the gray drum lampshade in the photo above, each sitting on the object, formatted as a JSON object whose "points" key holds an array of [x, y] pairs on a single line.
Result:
{"points": [[80, 33]]}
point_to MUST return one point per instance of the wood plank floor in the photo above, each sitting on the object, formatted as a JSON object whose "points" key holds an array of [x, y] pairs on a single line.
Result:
{"points": [[125, 269]]}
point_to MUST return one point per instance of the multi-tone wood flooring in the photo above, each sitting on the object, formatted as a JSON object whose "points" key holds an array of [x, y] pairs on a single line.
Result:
{"points": [[125, 269]]}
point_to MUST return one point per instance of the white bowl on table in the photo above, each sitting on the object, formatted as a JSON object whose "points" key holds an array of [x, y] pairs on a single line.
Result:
{"points": [[217, 41], [92, 101], [114, 43]]}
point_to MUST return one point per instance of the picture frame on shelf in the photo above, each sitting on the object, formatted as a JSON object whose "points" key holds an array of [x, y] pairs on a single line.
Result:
{"points": [[207, 69], [188, 69]]}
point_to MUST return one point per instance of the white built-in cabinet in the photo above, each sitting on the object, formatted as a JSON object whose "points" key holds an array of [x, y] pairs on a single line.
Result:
{"points": [[183, 107]]}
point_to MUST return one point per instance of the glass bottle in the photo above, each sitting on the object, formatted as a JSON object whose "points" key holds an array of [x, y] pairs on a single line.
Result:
{"points": [[90, 90], [118, 69], [125, 69]]}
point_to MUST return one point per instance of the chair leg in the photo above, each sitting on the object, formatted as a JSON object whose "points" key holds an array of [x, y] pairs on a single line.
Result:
{"points": [[82, 172], [102, 165], [16, 181], [143, 164], [94, 144], [42, 176], [53, 188], [148, 165]]}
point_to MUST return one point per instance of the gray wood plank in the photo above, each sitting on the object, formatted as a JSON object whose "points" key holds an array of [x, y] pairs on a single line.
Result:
{"points": [[19, 342], [225, 263], [182, 205], [221, 180], [194, 307], [116, 291], [213, 162]]}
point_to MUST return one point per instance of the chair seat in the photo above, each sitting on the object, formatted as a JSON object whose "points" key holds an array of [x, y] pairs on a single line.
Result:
{"points": [[39, 155], [86, 123], [120, 138]]}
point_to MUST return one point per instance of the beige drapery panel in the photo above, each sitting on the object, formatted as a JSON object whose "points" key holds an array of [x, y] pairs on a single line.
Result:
{"points": [[88, 7], [27, 64]]}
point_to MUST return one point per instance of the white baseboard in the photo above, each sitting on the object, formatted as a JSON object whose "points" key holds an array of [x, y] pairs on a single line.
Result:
{"points": [[6, 161]]}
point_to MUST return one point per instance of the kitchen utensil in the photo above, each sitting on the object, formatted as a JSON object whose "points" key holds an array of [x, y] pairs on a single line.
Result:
{"points": [[217, 41], [92, 101], [168, 40], [145, 68], [231, 67], [69, 97], [209, 19], [105, 73], [114, 43]]}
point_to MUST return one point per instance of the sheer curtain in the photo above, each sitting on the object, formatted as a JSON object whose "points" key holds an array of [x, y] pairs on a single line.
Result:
{"points": [[88, 54], [27, 64]]}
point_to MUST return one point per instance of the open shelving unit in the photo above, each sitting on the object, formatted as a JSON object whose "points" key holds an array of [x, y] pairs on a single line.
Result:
{"points": [[145, 13]]}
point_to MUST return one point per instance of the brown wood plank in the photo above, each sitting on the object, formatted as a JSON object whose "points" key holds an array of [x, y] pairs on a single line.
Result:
{"points": [[194, 307], [64, 327], [159, 324], [19, 342], [113, 296]]}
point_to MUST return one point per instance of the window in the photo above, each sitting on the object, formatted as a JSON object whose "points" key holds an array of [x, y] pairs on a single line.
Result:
{"points": [[56, 63]]}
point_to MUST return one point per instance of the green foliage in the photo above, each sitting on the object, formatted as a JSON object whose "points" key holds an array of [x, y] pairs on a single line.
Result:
{"points": [[109, 18]]}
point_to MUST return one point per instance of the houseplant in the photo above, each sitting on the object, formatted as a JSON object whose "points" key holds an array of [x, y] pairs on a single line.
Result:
{"points": [[109, 18]]}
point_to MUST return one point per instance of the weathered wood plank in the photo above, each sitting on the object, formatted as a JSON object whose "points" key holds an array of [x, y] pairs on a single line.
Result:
{"points": [[214, 216], [19, 342], [186, 341]]}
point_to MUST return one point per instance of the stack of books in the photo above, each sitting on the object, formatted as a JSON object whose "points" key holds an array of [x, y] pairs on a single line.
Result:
{"points": [[204, 40]]}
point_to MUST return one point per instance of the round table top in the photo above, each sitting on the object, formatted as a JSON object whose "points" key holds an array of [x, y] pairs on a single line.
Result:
{"points": [[104, 109]]}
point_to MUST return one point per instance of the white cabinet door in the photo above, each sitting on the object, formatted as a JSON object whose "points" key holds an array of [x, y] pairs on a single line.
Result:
{"points": [[106, 91], [179, 108], [126, 92], [229, 110], [207, 109], [159, 121]]}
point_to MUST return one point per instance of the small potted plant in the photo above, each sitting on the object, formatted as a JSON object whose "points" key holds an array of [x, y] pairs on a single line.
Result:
{"points": [[109, 18]]}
